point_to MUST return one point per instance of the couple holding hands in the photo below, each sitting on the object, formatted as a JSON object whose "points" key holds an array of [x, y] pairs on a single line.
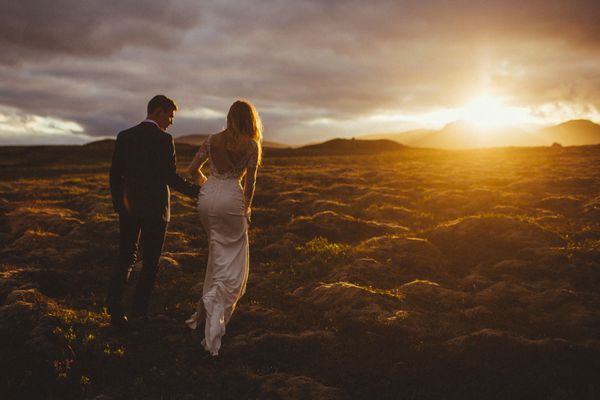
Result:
{"points": [[141, 175]]}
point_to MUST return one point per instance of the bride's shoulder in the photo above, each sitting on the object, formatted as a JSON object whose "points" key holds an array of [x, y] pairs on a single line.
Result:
{"points": [[217, 135], [214, 138]]}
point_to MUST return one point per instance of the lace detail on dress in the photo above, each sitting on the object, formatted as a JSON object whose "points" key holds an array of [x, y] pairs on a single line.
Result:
{"points": [[247, 166], [236, 172]]}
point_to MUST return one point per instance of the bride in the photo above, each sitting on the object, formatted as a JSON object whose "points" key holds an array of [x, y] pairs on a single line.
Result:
{"points": [[224, 207]]}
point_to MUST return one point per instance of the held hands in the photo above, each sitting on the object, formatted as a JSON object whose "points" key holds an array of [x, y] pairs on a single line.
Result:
{"points": [[196, 192], [198, 177]]}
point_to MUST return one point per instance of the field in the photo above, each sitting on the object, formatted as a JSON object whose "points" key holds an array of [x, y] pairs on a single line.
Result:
{"points": [[413, 274]]}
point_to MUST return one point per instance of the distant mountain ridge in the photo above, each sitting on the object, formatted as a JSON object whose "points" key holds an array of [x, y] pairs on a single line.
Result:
{"points": [[459, 134], [454, 135], [349, 146]]}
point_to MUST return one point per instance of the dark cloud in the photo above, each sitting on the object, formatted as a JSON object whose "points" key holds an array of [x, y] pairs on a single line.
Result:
{"points": [[51, 28], [359, 56]]}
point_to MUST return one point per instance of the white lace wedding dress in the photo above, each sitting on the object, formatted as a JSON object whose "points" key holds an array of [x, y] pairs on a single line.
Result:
{"points": [[221, 207]]}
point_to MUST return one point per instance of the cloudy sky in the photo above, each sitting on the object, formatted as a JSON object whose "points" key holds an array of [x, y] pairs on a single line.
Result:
{"points": [[72, 71]]}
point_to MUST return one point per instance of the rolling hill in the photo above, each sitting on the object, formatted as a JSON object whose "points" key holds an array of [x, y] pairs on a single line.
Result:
{"points": [[572, 133], [406, 137], [350, 146]]}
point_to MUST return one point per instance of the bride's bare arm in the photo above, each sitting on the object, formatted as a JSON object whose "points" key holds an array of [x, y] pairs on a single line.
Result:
{"points": [[250, 180], [196, 165]]}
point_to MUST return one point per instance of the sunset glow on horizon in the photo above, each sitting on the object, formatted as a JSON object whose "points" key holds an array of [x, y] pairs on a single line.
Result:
{"points": [[315, 70], [490, 112]]}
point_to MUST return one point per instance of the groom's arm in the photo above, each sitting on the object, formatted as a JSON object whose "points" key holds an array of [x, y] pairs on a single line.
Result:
{"points": [[168, 171]]}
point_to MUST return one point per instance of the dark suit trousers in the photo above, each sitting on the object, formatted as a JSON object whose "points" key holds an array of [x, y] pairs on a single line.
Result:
{"points": [[152, 237]]}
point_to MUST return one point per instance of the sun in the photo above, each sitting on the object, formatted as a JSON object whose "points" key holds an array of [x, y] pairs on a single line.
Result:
{"points": [[489, 112]]}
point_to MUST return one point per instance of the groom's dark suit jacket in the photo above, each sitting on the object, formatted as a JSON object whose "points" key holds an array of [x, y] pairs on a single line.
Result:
{"points": [[142, 169]]}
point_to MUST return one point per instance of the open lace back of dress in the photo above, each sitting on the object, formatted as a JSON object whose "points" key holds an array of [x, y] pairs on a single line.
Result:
{"points": [[224, 162]]}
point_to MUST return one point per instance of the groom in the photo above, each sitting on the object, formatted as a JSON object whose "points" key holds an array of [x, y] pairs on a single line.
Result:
{"points": [[142, 170]]}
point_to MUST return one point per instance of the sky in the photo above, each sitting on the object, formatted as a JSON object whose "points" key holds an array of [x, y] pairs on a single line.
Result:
{"points": [[74, 71]]}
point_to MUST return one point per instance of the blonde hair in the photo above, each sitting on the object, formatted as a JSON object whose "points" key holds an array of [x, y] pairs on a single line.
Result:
{"points": [[243, 119]]}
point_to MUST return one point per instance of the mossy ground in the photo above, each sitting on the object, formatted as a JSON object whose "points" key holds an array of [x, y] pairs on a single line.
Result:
{"points": [[419, 274]]}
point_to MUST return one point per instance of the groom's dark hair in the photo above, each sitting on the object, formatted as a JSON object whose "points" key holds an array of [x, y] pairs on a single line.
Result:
{"points": [[161, 101]]}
